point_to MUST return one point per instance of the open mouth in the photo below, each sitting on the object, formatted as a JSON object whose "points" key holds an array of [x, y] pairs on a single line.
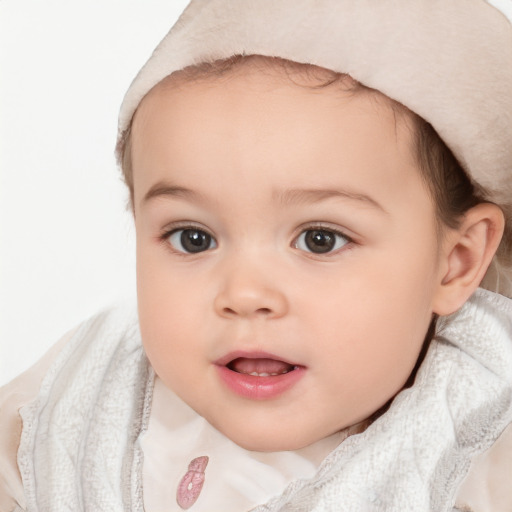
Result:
{"points": [[258, 375], [260, 367]]}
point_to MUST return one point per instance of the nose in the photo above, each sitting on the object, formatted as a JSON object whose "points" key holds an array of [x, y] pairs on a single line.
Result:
{"points": [[249, 292]]}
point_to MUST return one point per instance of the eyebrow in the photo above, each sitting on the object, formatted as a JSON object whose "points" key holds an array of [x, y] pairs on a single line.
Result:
{"points": [[291, 196], [294, 196], [163, 189]]}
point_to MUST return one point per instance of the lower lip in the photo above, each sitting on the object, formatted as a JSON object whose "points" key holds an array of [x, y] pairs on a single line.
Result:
{"points": [[259, 388]]}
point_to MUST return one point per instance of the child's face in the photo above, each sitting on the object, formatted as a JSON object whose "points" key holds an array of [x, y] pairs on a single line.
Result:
{"points": [[280, 229]]}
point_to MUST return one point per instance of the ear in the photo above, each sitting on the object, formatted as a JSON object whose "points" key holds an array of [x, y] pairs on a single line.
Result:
{"points": [[467, 252]]}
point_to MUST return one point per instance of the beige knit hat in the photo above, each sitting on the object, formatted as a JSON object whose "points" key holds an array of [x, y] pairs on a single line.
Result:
{"points": [[450, 61]]}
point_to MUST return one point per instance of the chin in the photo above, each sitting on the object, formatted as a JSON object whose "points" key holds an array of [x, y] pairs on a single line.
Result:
{"points": [[268, 441], [268, 445]]}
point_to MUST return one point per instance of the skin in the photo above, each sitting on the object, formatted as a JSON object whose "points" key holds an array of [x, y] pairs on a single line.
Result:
{"points": [[227, 156]]}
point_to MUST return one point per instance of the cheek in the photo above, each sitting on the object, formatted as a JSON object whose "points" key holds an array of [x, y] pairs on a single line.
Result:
{"points": [[368, 354], [368, 331], [369, 325], [166, 305]]}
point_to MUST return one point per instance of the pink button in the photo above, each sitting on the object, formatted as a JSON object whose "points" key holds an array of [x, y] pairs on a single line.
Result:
{"points": [[191, 484]]}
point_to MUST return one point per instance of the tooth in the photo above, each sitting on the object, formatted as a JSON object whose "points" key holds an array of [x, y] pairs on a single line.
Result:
{"points": [[265, 374]]}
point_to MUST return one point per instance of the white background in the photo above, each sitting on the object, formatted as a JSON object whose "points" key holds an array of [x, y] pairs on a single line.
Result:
{"points": [[66, 239]]}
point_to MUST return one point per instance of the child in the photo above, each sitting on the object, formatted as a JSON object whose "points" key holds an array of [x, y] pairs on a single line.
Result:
{"points": [[318, 190]]}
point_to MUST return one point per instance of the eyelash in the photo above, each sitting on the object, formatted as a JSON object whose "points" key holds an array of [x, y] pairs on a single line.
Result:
{"points": [[323, 228], [164, 238]]}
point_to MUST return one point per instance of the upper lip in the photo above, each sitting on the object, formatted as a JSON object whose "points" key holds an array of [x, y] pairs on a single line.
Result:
{"points": [[231, 356]]}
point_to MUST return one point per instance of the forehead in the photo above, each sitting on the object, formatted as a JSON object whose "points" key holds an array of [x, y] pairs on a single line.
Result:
{"points": [[259, 81], [258, 76], [260, 117]]}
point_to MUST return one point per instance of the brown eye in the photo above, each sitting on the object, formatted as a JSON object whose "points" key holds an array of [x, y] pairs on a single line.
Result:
{"points": [[320, 241], [191, 240]]}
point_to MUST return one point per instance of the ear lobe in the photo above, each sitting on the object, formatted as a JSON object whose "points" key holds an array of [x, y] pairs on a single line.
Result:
{"points": [[467, 252]]}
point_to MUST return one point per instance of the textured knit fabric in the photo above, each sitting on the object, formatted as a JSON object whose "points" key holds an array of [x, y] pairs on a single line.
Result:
{"points": [[78, 448]]}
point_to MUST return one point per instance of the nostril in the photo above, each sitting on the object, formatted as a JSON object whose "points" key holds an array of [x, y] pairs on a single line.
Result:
{"points": [[259, 311], [248, 302]]}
